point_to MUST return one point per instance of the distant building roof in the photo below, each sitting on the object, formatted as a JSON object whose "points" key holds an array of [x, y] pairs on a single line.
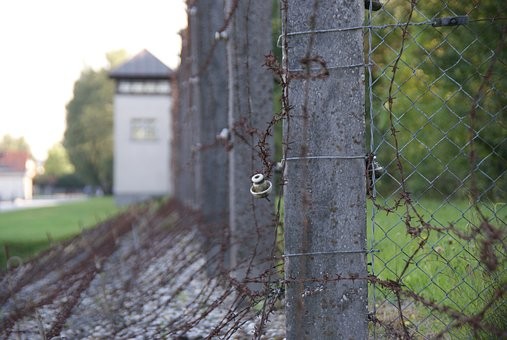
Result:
{"points": [[13, 161], [144, 65]]}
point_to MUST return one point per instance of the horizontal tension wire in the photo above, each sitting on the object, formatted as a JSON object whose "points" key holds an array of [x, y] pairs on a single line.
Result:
{"points": [[316, 69], [332, 252], [324, 157], [353, 28]]}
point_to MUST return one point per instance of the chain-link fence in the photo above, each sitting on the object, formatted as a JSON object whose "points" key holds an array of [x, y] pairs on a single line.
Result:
{"points": [[428, 177], [437, 120]]}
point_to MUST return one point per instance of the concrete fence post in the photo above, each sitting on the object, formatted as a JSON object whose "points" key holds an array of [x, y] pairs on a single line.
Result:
{"points": [[250, 109], [181, 154], [194, 127], [213, 190], [324, 219]]}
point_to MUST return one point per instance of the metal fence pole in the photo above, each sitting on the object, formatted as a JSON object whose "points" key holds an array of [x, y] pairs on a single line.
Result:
{"points": [[250, 109], [325, 269]]}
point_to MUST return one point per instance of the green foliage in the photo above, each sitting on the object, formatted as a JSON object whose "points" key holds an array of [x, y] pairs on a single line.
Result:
{"points": [[115, 58], [277, 89], [447, 269], [9, 143], [448, 99], [276, 29], [89, 134], [57, 163], [24, 233], [69, 182], [58, 171], [447, 125]]}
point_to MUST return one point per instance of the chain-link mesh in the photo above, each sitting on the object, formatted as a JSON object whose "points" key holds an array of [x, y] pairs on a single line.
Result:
{"points": [[436, 179], [436, 102]]}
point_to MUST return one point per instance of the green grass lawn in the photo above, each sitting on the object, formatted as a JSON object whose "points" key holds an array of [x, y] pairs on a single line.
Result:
{"points": [[448, 269], [26, 232]]}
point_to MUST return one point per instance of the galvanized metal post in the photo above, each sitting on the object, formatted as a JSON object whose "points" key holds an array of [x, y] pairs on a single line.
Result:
{"points": [[250, 109], [325, 222]]}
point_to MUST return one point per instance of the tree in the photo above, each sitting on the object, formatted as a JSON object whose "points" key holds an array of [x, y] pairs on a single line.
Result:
{"points": [[9, 143], [59, 173], [89, 135], [58, 163], [114, 58], [442, 75]]}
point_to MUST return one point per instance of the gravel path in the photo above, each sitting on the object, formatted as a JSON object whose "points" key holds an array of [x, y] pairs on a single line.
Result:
{"points": [[138, 276]]}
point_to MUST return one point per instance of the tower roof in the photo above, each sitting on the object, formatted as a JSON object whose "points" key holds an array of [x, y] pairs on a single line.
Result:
{"points": [[143, 65]]}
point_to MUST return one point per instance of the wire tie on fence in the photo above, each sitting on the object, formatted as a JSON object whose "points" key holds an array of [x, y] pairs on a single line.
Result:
{"points": [[332, 252]]}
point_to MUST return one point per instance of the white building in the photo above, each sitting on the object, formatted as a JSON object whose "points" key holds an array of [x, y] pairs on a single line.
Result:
{"points": [[17, 170], [142, 125]]}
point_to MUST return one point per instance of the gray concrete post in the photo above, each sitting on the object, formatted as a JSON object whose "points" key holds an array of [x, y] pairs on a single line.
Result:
{"points": [[325, 222], [213, 190], [250, 109], [181, 151], [194, 127]]}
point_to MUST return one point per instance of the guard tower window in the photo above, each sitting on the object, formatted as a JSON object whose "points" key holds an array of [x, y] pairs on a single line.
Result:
{"points": [[143, 129], [143, 87]]}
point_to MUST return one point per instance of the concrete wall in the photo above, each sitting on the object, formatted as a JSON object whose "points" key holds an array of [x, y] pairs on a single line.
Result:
{"points": [[141, 167]]}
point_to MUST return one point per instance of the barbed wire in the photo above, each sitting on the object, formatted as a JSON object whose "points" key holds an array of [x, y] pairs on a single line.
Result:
{"points": [[396, 308]]}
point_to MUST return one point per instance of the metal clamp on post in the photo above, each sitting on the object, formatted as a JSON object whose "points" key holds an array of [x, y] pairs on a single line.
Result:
{"points": [[450, 21]]}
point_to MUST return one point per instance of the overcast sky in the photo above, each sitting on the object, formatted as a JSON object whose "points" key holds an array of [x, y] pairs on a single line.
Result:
{"points": [[44, 46]]}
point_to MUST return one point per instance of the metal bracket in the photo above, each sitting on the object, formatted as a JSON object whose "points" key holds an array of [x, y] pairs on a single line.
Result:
{"points": [[450, 21]]}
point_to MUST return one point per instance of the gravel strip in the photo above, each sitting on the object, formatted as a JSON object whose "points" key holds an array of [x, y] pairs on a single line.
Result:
{"points": [[146, 280]]}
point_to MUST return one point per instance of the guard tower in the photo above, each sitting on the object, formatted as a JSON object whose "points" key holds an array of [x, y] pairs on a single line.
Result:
{"points": [[142, 129]]}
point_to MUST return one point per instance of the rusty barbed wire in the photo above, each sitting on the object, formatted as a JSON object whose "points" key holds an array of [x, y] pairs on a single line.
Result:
{"points": [[172, 226], [490, 240]]}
